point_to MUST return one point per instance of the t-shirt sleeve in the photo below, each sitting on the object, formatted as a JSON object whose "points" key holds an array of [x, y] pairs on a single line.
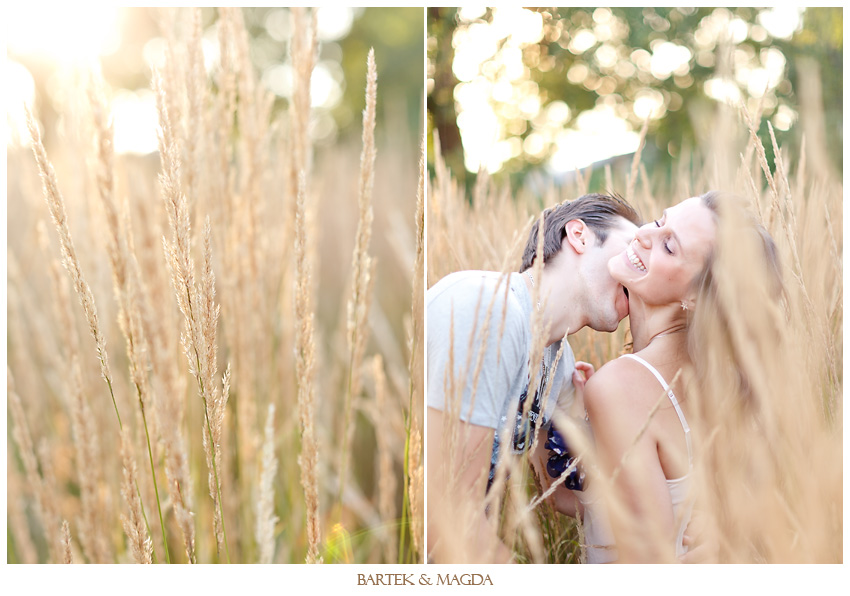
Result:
{"points": [[456, 315]]}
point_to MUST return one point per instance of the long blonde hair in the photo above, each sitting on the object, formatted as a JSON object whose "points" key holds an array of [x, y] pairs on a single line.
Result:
{"points": [[755, 409], [744, 260]]}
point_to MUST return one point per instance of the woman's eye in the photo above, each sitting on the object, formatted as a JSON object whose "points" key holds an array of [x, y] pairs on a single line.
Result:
{"points": [[657, 225], [667, 247]]}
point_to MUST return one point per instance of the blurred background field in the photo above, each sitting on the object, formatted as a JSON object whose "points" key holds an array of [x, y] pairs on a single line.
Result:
{"points": [[236, 123], [527, 108]]}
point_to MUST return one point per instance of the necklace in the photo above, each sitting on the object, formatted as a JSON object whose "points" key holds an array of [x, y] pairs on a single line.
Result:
{"points": [[663, 333]]}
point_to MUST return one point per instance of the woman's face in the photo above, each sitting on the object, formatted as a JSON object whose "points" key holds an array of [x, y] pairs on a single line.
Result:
{"points": [[659, 265]]}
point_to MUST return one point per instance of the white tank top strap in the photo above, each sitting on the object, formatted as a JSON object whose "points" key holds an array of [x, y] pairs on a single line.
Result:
{"points": [[673, 400]]}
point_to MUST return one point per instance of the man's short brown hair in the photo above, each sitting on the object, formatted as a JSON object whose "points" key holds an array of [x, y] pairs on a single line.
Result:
{"points": [[598, 211]]}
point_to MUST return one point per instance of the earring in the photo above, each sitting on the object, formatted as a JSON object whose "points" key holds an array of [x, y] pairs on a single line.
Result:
{"points": [[684, 305]]}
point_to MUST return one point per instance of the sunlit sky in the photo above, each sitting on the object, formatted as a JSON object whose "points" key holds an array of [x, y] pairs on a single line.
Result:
{"points": [[71, 37], [495, 98]]}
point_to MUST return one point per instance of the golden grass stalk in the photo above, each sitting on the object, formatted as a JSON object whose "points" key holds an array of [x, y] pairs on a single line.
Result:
{"points": [[223, 117], [253, 113], [193, 139], [304, 53], [15, 502], [266, 519], [50, 495], [244, 256], [168, 409], [66, 542], [361, 265], [44, 510], [416, 491], [518, 522], [215, 406], [305, 372], [56, 206], [540, 498], [172, 69], [125, 283], [548, 392], [169, 415], [95, 543], [134, 525], [516, 504], [539, 327], [582, 180], [197, 305], [417, 294], [303, 50], [633, 173], [415, 362], [62, 304], [386, 478]]}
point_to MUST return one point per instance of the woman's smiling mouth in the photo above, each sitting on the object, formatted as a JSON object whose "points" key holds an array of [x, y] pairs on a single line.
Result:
{"points": [[635, 260]]}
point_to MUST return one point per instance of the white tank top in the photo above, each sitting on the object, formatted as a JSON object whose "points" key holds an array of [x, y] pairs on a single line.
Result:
{"points": [[598, 535]]}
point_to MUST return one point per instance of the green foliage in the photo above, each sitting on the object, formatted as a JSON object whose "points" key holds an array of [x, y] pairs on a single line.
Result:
{"points": [[589, 57], [399, 59], [395, 34]]}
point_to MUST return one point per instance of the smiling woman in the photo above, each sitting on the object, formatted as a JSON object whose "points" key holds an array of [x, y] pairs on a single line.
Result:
{"points": [[666, 254], [754, 364]]}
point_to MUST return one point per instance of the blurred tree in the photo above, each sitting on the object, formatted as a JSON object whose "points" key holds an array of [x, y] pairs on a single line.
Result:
{"points": [[442, 81], [395, 35], [816, 67], [672, 64]]}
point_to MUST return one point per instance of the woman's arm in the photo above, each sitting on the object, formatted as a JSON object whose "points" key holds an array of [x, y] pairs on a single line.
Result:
{"points": [[638, 501]]}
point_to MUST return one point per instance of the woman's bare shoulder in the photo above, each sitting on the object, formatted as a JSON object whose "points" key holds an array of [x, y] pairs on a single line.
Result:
{"points": [[615, 389]]}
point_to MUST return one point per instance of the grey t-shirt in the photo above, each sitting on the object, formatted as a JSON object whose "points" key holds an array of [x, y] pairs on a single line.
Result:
{"points": [[478, 302]]}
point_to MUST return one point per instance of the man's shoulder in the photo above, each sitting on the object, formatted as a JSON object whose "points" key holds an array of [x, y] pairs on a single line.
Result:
{"points": [[460, 281], [472, 290]]}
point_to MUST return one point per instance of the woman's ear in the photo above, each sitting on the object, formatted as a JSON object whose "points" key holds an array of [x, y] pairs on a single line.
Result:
{"points": [[578, 235]]}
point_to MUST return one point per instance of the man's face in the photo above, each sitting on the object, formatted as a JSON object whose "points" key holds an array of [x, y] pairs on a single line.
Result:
{"points": [[607, 302]]}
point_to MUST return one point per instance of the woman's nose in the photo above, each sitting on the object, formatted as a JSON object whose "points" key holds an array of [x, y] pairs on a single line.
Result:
{"points": [[643, 235]]}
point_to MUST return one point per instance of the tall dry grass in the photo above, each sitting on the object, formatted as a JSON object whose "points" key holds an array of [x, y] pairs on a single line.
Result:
{"points": [[206, 286], [766, 400]]}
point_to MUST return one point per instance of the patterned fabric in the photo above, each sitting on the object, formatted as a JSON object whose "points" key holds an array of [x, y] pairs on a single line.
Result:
{"points": [[523, 428]]}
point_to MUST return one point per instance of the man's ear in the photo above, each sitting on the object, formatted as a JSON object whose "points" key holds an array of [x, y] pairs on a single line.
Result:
{"points": [[578, 235]]}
